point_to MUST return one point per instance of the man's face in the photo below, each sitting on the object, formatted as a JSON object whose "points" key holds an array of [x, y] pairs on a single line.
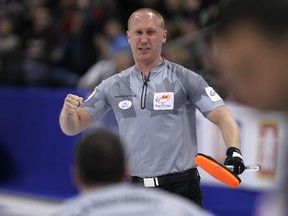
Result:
{"points": [[254, 66], [146, 37]]}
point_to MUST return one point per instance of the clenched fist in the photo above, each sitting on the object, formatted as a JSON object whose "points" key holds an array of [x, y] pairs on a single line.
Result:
{"points": [[71, 103]]}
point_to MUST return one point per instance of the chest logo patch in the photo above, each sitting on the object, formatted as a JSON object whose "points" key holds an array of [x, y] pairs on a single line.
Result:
{"points": [[126, 104], [163, 101], [212, 94]]}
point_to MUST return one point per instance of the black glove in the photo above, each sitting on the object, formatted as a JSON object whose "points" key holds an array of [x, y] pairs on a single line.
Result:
{"points": [[234, 157]]}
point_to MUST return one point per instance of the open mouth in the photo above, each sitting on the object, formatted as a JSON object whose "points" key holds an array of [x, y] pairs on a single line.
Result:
{"points": [[143, 49]]}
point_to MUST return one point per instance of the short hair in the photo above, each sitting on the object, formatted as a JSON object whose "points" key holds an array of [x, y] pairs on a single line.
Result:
{"points": [[270, 15], [100, 158], [147, 10]]}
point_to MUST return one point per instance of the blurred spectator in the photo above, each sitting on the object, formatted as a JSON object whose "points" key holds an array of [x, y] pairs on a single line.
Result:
{"points": [[36, 44], [68, 10], [112, 8], [9, 53], [116, 37], [172, 13], [75, 52], [99, 173], [192, 11], [26, 17], [112, 40], [64, 14], [73, 25], [104, 69], [13, 9], [9, 41], [114, 55], [172, 9]]}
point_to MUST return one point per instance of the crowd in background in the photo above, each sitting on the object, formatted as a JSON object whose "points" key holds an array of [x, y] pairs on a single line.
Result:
{"points": [[76, 43]]}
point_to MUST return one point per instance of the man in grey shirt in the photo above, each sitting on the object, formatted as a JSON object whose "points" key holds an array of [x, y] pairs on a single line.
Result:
{"points": [[99, 171], [154, 103]]}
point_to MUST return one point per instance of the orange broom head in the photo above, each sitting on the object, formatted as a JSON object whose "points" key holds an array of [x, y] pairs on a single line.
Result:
{"points": [[217, 170]]}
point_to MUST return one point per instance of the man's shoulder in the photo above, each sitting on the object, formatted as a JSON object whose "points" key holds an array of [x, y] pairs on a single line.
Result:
{"points": [[126, 72], [180, 70], [117, 78], [121, 75]]}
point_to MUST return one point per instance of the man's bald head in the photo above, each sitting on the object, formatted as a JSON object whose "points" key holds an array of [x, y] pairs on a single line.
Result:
{"points": [[147, 11]]}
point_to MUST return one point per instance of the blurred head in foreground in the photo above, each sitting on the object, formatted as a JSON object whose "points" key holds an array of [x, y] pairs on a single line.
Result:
{"points": [[99, 174], [251, 49], [99, 160]]}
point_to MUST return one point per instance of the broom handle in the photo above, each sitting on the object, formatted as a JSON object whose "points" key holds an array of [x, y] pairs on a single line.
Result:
{"points": [[252, 168]]}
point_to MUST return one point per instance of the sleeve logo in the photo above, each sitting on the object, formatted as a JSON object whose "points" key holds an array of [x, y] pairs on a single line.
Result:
{"points": [[212, 94]]}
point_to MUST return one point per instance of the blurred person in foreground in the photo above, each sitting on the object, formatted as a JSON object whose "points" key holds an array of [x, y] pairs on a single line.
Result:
{"points": [[251, 48], [99, 173], [155, 104]]}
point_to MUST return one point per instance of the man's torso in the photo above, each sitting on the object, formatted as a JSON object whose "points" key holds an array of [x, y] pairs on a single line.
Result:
{"points": [[157, 121]]}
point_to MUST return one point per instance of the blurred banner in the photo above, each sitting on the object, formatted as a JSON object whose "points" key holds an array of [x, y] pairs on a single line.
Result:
{"points": [[263, 141]]}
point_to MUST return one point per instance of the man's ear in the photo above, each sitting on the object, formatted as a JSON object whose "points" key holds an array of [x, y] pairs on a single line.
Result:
{"points": [[128, 36], [164, 36]]}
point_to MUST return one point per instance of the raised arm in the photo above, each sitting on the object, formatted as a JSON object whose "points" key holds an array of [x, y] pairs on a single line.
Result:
{"points": [[74, 119]]}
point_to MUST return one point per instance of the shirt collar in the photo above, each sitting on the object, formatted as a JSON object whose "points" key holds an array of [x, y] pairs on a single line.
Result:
{"points": [[154, 70]]}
